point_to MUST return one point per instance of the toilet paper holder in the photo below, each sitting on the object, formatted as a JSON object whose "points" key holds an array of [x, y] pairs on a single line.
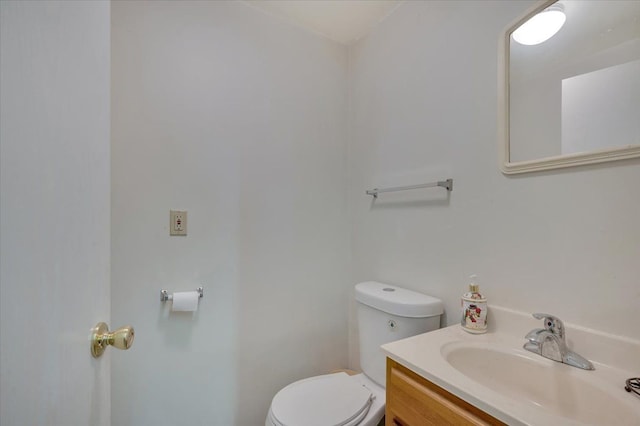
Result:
{"points": [[164, 294]]}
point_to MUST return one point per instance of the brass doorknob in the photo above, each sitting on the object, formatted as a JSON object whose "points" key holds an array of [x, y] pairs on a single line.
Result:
{"points": [[122, 338]]}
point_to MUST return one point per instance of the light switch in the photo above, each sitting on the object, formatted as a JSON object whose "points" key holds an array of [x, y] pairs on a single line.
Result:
{"points": [[177, 222]]}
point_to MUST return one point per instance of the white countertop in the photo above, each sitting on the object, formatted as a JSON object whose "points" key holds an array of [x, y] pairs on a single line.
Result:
{"points": [[615, 359]]}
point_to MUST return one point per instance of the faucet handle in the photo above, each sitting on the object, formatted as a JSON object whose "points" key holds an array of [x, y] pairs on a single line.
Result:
{"points": [[532, 336], [552, 323]]}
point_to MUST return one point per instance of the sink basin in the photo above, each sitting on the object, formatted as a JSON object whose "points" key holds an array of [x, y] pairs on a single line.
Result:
{"points": [[555, 387]]}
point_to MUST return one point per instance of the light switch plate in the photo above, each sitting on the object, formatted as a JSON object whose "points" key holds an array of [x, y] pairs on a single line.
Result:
{"points": [[177, 222]]}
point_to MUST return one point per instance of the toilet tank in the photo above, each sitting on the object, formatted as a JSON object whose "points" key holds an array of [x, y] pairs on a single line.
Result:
{"points": [[387, 313]]}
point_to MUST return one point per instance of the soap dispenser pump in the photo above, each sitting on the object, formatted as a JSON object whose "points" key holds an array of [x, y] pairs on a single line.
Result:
{"points": [[474, 309]]}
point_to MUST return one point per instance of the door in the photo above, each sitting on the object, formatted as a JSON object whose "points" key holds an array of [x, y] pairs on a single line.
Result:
{"points": [[54, 211]]}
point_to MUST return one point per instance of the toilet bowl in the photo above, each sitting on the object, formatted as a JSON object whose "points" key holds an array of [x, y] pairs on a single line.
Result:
{"points": [[385, 313]]}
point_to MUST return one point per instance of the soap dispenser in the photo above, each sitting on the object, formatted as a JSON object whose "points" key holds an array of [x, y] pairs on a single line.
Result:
{"points": [[474, 309]]}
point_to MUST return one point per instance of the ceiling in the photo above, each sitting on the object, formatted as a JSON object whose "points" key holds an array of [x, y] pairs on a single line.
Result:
{"points": [[344, 21]]}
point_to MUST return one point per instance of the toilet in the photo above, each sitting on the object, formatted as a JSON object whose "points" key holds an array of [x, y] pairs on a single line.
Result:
{"points": [[385, 313]]}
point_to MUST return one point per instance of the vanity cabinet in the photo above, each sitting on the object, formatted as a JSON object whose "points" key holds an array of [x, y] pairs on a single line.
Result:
{"points": [[414, 401]]}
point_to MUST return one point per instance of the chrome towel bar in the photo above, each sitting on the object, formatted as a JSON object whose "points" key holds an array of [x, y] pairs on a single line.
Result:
{"points": [[447, 184]]}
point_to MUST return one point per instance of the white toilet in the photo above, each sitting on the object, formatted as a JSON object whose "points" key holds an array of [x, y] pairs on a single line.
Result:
{"points": [[385, 313]]}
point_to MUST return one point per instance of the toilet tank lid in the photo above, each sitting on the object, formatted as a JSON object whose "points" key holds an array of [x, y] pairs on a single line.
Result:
{"points": [[397, 300]]}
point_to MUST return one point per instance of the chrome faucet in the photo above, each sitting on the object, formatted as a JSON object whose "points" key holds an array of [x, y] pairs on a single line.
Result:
{"points": [[550, 343]]}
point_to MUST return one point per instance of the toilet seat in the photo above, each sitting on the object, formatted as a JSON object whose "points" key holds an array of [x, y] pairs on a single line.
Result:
{"points": [[331, 399]]}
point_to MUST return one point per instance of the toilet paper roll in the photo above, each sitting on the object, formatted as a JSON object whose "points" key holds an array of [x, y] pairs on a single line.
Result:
{"points": [[185, 301]]}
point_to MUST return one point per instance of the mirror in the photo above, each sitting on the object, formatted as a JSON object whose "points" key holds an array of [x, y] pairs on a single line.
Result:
{"points": [[575, 98]]}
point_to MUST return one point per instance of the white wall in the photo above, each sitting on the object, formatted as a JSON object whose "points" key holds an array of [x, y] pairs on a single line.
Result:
{"points": [[423, 89], [54, 211], [241, 120]]}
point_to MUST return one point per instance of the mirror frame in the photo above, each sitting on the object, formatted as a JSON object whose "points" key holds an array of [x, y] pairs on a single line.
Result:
{"points": [[547, 163]]}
